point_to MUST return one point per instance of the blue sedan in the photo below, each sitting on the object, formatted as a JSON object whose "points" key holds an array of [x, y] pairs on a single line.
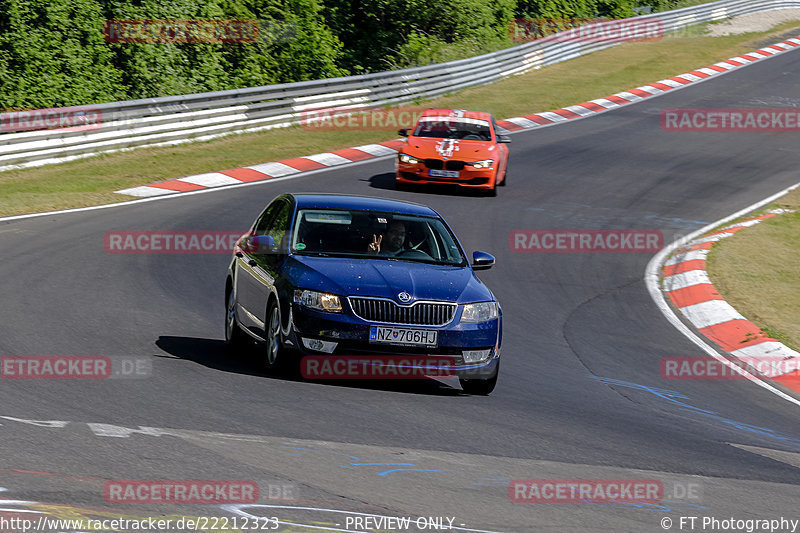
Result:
{"points": [[330, 275]]}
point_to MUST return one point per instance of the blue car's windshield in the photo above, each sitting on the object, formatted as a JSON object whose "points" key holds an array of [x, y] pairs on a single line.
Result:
{"points": [[373, 234]]}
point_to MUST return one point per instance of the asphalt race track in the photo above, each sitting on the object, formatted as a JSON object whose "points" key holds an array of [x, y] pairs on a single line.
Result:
{"points": [[580, 394]]}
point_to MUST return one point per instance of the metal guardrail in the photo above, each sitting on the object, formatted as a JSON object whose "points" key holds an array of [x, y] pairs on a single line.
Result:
{"points": [[172, 120]]}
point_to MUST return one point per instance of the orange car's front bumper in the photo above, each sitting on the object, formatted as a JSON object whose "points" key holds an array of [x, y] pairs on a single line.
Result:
{"points": [[483, 178]]}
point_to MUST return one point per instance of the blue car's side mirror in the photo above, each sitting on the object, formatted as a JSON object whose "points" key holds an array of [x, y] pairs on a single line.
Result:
{"points": [[482, 261], [263, 244]]}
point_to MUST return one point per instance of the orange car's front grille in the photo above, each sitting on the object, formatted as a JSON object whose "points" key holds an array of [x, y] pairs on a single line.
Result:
{"points": [[438, 164]]}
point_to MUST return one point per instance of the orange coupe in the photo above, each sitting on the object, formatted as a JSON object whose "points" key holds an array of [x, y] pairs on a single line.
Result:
{"points": [[454, 146]]}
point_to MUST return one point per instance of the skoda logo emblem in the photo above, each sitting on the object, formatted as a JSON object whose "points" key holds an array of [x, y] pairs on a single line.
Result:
{"points": [[404, 297]]}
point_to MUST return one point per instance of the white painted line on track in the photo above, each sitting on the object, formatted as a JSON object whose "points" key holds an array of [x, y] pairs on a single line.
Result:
{"points": [[275, 170], [686, 279], [328, 159], [238, 510], [652, 277], [688, 256], [210, 179], [710, 313], [175, 195]]}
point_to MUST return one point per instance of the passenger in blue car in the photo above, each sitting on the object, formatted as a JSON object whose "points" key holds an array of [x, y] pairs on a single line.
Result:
{"points": [[395, 239]]}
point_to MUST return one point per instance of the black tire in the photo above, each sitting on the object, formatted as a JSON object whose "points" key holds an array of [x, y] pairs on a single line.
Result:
{"points": [[505, 179], [273, 355], [236, 340], [480, 387], [491, 192]]}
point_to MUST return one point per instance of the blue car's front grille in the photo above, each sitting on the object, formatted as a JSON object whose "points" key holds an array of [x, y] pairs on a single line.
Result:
{"points": [[417, 314]]}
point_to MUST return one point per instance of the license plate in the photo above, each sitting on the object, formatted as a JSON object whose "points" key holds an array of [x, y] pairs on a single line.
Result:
{"points": [[403, 336], [443, 173]]}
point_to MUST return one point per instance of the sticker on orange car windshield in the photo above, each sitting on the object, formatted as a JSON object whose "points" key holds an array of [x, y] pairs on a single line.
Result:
{"points": [[446, 147]]}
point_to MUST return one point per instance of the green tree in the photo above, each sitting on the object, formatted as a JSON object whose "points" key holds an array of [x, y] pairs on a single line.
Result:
{"points": [[52, 54], [379, 34]]}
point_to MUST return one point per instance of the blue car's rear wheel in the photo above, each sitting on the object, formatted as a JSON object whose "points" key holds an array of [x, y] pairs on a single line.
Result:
{"points": [[235, 338], [273, 356]]}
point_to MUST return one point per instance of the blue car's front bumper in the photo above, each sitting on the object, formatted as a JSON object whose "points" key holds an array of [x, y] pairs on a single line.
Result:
{"points": [[352, 337]]}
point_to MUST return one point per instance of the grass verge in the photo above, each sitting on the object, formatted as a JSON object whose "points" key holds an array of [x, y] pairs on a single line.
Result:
{"points": [[758, 269], [92, 181]]}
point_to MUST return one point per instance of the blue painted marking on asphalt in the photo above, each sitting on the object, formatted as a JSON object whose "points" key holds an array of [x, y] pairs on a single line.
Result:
{"points": [[353, 457], [671, 396], [384, 464], [662, 506], [681, 221], [387, 472], [503, 482], [492, 481], [354, 463]]}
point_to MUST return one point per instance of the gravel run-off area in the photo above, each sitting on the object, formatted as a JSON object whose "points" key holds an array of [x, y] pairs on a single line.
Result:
{"points": [[755, 22]]}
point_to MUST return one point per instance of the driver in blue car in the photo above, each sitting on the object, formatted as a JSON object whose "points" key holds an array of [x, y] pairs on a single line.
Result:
{"points": [[395, 238]]}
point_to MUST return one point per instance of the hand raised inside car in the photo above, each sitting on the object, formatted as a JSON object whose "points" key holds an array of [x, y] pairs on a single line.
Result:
{"points": [[375, 246]]}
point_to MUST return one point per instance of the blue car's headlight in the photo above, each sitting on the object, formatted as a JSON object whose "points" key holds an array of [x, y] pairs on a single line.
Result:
{"points": [[321, 301], [479, 312]]}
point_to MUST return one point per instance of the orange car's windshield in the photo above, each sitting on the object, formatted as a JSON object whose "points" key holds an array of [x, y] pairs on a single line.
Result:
{"points": [[448, 127]]}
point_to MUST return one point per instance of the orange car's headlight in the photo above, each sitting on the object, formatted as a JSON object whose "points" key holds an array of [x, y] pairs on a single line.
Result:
{"points": [[405, 158], [486, 163]]}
